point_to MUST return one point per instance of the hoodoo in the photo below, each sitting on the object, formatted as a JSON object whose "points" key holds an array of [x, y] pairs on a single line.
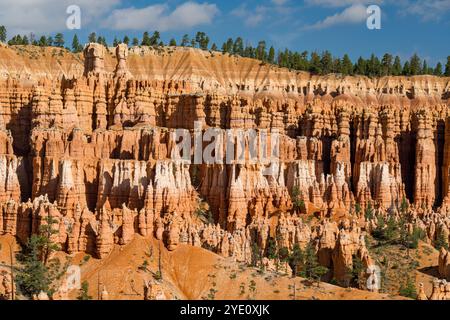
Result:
{"points": [[89, 141]]}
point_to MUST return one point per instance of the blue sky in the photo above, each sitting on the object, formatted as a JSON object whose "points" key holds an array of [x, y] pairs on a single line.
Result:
{"points": [[408, 26]]}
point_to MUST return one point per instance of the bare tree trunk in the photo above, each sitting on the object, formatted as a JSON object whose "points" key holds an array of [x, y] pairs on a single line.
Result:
{"points": [[11, 255], [98, 285], [159, 261], [295, 290]]}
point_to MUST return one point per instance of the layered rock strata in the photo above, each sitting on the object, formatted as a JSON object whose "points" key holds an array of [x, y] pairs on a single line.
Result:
{"points": [[95, 151]]}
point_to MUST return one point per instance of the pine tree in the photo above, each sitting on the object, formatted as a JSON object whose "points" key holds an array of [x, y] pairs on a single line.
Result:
{"points": [[447, 67], [84, 292], [361, 67], [368, 214], [425, 69], [347, 65], [238, 46], [32, 37], [224, 48], [261, 53], [38, 272], [59, 40], [296, 259], [408, 289], [337, 66], [16, 40], [92, 37], [135, 42], [115, 42], [185, 41], [390, 233], [283, 59], [357, 208], [356, 272], [406, 69], [249, 52], [441, 241], [155, 38], [49, 41], [32, 278], [311, 268], [102, 41], [3, 33], [227, 46], [397, 67], [42, 41], [126, 40], [415, 65], [303, 63], [438, 70], [326, 62], [214, 47], [386, 65], [25, 41], [412, 240], [76, 46], [271, 249], [172, 42], [271, 58], [202, 40], [315, 65], [146, 39], [230, 44], [297, 202], [373, 66], [256, 254]]}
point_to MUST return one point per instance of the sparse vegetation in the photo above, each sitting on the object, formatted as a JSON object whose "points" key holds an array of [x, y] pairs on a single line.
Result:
{"points": [[408, 289], [368, 213], [84, 292], [85, 260], [298, 204], [242, 289], [203, 212], [441, 241], [314, 62], [252, 290], [37, 271]]}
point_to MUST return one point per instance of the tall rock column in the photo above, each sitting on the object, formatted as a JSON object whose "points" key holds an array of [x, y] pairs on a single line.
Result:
{"points": [[446, 165], [94, 55], [425, 172], [121, 55]]}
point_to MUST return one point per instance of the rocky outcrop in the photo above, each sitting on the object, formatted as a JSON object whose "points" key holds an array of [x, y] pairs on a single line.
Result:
{"points": [[444, 264], [441, 291], [96, 150], [94, 55]]}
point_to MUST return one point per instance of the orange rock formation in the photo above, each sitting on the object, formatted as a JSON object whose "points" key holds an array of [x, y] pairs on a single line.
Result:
{"points": [[89, 142]]}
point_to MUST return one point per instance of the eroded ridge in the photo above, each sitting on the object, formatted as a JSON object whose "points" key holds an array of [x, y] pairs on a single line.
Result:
{"points": [[89, 142]]}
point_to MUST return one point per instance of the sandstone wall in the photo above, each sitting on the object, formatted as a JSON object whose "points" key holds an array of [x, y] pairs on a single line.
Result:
{"points": [[89, 142]]}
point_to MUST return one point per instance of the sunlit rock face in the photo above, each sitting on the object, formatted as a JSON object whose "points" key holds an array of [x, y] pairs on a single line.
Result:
{"points": [[90, 142]]}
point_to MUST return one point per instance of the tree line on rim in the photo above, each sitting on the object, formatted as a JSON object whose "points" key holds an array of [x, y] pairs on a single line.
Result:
{"points": [[314, 62]]}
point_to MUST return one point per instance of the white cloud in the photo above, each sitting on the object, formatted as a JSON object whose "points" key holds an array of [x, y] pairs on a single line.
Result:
{"points": [[159, 17], [251, 18], [45, 16], [279, 2], [340, 3], [354, 14], [427, 9]]}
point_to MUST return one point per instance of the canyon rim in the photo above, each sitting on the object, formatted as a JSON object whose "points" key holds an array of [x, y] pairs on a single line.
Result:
{"points": [[87, 144]]}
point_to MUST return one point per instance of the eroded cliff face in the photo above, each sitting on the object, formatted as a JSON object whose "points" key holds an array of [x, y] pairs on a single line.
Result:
{"points": [[89, 142]]}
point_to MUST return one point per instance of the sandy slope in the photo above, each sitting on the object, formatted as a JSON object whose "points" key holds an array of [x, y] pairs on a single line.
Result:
{"points": [[191, 273]]}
